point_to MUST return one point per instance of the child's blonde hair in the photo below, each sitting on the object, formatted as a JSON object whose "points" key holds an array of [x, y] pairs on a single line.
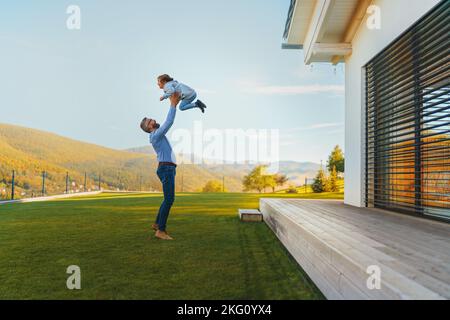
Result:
{"points": [[165, 78]]}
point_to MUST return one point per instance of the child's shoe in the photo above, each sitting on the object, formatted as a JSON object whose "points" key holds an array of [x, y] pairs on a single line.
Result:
{"points": [[201, 105]]}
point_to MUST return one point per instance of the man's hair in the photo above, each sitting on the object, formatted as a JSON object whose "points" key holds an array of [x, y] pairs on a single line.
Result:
{"points": [[143, 126], [165, 78]]}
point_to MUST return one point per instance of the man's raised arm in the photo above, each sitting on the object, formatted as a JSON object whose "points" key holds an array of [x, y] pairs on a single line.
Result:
{"points": [[174, 100]]}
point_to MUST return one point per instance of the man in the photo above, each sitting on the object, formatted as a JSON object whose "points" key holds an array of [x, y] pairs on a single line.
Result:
{"points": [[166, 164]]}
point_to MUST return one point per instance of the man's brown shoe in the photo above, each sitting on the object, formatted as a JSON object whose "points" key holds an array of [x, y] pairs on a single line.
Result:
{"points": [[162, 235]]}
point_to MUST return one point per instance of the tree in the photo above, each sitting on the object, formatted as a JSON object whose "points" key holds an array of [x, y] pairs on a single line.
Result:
{"points": [[336, 159], [320, 182], [269, 181], [213, 186], [280, 180], [332, 181], [256, 179]]}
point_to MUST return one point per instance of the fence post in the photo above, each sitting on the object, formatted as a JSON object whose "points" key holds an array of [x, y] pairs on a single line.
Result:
{"points": [[100, 182], [67, 182], [182, 181], [182, 178], [84, 188], [12, 184], [306, 184], [43, 183]]}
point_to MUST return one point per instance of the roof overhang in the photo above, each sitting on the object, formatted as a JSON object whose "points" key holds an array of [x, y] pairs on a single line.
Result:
{"points": [[324, 29]]}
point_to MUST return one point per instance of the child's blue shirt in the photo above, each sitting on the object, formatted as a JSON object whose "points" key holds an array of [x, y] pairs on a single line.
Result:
{"points": [[174, 86]]}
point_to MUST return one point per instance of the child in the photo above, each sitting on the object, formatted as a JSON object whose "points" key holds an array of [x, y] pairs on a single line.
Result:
{"points": [[188, 95]]}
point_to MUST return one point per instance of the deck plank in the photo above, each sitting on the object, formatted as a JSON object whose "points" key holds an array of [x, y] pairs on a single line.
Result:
{"points": [[337, 242], [395, 244]]}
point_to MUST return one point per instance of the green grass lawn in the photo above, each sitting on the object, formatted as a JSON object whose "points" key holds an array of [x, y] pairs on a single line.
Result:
{"points": [[214, 256]]}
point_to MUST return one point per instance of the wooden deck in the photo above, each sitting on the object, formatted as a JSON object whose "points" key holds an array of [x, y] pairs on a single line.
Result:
{"points": [[335, 244]]}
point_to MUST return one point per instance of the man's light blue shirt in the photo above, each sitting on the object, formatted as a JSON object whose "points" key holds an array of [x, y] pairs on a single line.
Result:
{"points": [[159, 141]]}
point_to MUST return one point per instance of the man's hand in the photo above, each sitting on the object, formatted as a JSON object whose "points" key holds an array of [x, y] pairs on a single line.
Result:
{"points": [[174, 99]]}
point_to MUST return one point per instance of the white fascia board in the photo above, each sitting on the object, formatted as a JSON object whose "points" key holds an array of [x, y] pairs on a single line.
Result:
{"points": [[316, 27], [335, 49]]}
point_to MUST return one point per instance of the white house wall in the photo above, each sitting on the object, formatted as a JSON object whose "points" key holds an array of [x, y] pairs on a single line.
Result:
{"points": [[396, 17]]}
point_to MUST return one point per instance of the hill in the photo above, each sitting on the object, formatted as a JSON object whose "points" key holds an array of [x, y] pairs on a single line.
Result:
{"points": [[295, 171], [30, 152]]}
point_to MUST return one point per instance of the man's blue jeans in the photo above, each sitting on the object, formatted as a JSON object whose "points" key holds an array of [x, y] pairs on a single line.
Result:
{"points": [[186, 104], [167, 176]]}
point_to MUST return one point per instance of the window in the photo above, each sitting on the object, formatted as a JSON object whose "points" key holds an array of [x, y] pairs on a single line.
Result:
{"points": [[408, 120]]}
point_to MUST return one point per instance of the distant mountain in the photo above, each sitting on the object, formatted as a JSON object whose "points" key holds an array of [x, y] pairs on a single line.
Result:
{"points": [[298, 171], [30, 151], [295, 171], [145, 149]]}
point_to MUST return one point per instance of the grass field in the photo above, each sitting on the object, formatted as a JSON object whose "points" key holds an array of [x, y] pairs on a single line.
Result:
{"points": [[214, 256]]}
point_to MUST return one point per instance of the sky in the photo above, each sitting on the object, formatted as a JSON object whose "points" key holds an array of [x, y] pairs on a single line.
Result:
{"points": [[95, 84]]}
